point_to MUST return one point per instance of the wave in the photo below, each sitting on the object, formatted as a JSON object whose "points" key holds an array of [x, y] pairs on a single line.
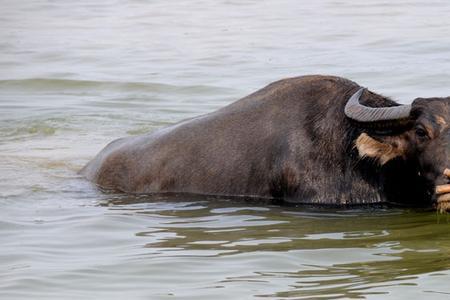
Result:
{"points": [[68, 85]]}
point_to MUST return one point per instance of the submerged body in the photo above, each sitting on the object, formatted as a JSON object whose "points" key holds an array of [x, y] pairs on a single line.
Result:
{"points": [[291, 140]]}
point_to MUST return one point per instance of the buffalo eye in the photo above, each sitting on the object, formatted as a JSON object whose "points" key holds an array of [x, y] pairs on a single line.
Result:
{"points": [[421, 133]]}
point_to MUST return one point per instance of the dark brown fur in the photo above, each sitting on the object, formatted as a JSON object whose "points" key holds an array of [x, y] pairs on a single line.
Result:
{"points": [[289, 140]]}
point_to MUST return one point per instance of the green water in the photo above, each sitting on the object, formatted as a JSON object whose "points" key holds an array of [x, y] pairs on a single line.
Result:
{"points": [[74, 76]]}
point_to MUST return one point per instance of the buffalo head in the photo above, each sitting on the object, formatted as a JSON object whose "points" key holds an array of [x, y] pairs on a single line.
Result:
{"points": [[418, 133]]}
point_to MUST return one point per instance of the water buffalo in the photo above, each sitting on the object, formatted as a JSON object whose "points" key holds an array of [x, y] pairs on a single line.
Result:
{"points": [[311, 139]]}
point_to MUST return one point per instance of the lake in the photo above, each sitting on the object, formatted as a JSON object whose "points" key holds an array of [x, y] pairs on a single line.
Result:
{"points": [[76, 75]]}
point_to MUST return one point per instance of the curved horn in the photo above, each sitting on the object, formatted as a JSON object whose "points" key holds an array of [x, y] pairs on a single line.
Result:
{"points": [[358, 112]]}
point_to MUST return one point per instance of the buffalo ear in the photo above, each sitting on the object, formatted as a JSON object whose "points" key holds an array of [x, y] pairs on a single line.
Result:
{"points": [[382, 152]]}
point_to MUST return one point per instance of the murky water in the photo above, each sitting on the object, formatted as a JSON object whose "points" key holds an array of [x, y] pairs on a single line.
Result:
{"points": [[76, 75]]}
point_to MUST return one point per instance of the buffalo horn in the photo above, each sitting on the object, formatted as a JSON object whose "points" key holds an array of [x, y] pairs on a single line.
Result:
{"points": [[358, 112]]}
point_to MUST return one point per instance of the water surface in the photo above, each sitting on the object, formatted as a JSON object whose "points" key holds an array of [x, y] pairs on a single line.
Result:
{"points": [[74, 76]]}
